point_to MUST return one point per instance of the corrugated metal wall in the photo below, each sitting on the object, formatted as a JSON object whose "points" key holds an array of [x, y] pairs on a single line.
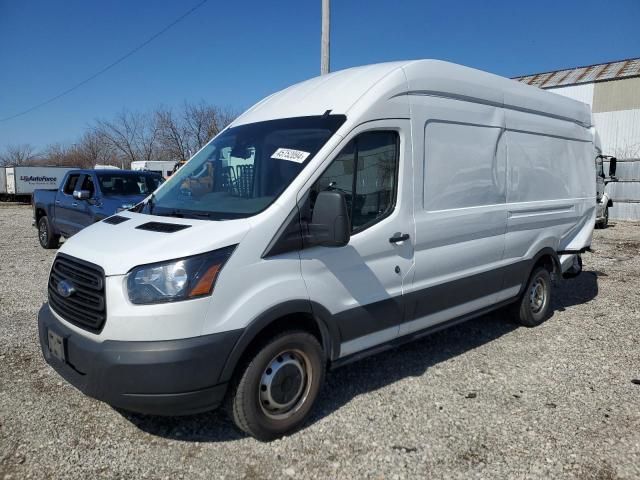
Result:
{"points": [[619, 132], [616, 107], [582, 93], [625, 193]]}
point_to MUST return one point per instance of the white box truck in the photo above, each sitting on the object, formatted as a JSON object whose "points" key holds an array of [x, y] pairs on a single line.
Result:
{"points": [[22, 181], [337, 218], [163, 167]]}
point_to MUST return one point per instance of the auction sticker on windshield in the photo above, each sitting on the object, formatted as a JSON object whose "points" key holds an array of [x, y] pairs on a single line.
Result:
{"points": [[297, 156]]}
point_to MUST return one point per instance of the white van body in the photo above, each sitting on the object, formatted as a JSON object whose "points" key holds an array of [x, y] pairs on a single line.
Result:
{"points": [[163, 167], [492, 177]]}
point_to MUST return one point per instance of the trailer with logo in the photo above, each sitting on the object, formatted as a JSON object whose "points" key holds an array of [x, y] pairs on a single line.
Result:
{"points": [[20, 182]]}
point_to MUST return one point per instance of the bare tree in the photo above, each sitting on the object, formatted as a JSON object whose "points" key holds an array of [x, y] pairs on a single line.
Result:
{"points": [[203, 122], [17, 155], [166, 134], [173, 137], [132, 135]]}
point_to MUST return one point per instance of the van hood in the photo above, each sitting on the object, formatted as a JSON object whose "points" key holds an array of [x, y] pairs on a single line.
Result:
{"points": [[119, 248]]}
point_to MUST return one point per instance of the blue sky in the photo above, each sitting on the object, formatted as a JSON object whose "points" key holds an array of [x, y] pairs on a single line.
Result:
{"points": [[233, 53]]}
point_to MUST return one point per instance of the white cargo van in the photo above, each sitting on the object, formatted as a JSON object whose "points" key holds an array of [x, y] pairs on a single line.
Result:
{"points": [[336, 218]]}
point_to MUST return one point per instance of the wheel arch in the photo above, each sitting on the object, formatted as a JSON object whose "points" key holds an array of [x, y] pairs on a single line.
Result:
{"points": [[291, 314], [546, 257]]}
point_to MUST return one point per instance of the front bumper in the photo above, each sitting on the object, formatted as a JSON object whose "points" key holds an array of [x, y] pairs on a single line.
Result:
{"points": [[172, 377]]}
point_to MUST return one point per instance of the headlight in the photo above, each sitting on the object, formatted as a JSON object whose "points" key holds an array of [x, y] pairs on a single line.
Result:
{"points": [[176, 280]]}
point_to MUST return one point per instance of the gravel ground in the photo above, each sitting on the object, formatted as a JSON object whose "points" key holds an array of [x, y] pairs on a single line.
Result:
{"points": [[481, 400]]}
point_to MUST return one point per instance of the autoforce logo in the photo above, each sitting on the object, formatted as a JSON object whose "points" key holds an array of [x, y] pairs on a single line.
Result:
{"points": [[31, 178], [65, 288]]}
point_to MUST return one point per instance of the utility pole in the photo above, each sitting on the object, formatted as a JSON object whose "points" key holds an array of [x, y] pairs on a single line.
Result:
{"points": [[324, 43]]}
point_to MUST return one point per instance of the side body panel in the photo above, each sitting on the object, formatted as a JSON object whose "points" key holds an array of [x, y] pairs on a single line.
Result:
{"points": [[459, 197], [64, 212], [28, 179], [551, 192]]}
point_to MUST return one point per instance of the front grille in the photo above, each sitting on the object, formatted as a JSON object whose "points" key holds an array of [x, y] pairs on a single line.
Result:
{"points": [[86, 306]]}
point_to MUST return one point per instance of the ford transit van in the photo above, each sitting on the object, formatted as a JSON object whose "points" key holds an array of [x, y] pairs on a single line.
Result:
{"points": [[339, 217]]}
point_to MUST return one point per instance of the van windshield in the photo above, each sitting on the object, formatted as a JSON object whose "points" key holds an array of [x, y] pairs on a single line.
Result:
{"points": [[244, 169]]}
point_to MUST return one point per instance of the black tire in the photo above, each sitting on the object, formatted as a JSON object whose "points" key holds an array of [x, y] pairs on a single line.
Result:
{"points": [[605, 220], [46, 238], [289, 353], [534, 307], [604, 223]]}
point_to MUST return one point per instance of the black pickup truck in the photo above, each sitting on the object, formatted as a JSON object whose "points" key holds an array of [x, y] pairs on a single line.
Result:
{"points": [[86, 197]]}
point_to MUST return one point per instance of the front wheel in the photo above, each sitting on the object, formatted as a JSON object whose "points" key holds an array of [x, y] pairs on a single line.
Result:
{"points": [[275, 390], [535, 304], [46, 238]]}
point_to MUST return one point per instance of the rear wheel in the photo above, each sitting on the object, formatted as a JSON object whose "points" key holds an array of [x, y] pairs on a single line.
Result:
{"points": [[275, 390], [46, 238], [533, 307]]}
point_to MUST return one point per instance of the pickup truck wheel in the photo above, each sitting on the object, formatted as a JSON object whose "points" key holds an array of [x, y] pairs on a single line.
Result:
{"points": [[46, 238], [533, 308], [275, 390]]}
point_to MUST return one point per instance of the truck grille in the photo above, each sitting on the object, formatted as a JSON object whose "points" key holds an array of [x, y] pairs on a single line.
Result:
{"points": [[85, 306]]}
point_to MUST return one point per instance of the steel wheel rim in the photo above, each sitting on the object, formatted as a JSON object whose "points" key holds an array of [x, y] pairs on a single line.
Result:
{"points": [[285, 384], [43, 232], [538, 295]]}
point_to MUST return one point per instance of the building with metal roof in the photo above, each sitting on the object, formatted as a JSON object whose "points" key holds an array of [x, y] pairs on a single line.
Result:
{"points": [[613, 92]]}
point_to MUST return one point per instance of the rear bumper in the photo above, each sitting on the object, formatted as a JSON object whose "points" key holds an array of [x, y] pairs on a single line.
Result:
{"points": [[173, 377]]}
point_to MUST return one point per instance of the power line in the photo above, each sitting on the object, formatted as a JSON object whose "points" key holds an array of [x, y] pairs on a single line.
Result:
{"points": [[108, 67]]}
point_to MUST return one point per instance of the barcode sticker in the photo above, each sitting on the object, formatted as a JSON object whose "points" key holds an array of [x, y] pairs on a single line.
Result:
{"points": [[297, 156]]}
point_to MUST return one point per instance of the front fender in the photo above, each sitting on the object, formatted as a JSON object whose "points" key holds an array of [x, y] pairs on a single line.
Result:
{"points": [[330, 335]]}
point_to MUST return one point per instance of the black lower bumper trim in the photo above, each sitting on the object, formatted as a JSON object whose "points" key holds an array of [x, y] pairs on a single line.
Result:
{"points": [[172, 377]]}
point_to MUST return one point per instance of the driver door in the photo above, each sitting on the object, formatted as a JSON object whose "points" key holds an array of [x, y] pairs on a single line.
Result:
{"points": [[361, 284]]}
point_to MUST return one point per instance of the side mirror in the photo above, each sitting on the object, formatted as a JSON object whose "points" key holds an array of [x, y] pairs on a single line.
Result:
{"points": [[330, 226], [82, 194], [613, 161]]}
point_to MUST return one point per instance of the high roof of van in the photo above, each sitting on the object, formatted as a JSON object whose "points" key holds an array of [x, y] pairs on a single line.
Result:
{"points": [[343, 90]]}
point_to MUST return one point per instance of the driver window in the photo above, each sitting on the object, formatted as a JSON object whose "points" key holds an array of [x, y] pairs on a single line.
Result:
{"points": [[87, 184], [365, 172], [71, 184]]}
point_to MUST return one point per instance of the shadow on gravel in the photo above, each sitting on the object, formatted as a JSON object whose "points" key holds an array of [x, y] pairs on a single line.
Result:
{"points": [[378, 371], [204, 427]]}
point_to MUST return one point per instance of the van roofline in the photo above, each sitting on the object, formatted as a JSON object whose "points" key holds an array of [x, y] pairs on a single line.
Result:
{"points": [[368, 85]]}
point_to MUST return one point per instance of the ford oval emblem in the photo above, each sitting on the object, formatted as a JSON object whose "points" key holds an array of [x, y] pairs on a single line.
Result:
{"points": [[65, 288]]}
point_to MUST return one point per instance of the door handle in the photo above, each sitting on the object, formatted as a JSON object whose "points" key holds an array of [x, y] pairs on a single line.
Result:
{"points": [[74, 204], [399, 238], [57, 202]]}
